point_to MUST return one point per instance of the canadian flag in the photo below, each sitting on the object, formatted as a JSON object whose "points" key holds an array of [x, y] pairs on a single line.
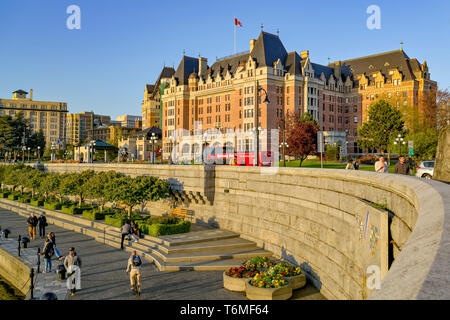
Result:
{"points": [[237, 22]]}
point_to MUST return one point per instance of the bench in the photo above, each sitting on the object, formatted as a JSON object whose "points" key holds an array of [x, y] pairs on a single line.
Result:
{"points": [[181, 213]]}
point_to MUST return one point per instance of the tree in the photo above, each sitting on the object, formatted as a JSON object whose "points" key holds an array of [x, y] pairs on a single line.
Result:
{"points": [[301, 136], [385, 123], [50, 184], [101, 187], [75, 184], [138, 191], [425, 143]]}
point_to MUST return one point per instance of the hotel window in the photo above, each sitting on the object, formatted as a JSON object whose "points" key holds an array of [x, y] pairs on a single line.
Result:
{"points": [[355, 108], [331, 119], [331, 108], [339, 119], [355, 119], [346, 120], [340, 109], [405, 103], [405, 94], [287, 100]]}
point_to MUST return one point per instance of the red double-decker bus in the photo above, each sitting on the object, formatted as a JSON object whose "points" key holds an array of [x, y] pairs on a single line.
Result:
{"points": [[219, 155]]}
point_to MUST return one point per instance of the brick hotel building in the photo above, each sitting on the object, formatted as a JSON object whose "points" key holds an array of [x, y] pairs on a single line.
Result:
{"points": [[337, 95]]}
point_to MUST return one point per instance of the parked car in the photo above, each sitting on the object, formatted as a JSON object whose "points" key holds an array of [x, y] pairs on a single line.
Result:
{"points": [[425, 169]]}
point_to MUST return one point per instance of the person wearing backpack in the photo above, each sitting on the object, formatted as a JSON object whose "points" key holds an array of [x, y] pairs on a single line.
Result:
{"points": [[48, 252], [134, 268], [32, 223]]}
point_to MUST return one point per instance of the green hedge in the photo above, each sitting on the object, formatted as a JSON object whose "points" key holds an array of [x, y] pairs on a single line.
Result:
{"points": [[13, 197], [159, 229], [116, 222], [37, 203], [93, 215], [52, 205], [24, 199], [4, 194], [71, 210]]}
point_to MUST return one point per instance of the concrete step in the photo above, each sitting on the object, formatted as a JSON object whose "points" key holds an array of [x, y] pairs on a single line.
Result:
{"points": [[197, 237], [233, 253], [231, 243]]}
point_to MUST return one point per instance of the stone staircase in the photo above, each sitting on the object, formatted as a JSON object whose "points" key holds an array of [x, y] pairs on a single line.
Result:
{"points": [[201, 249]]}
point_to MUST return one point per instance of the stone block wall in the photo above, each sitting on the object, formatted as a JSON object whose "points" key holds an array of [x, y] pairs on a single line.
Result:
{"points": [[322, 220]]}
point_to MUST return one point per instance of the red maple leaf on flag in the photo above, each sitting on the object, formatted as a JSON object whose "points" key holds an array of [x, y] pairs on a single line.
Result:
{"points": [[237, 22]]}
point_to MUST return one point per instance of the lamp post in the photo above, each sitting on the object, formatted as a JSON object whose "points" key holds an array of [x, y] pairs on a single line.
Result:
{"points": [[171, 139], [39, 154], [266, 100], [153, 138], [399, 141], [53, 151], [23, 153], [283, 147], [28, 154]]}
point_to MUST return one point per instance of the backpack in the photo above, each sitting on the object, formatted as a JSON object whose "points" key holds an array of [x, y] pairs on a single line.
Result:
{"points": [[51, 251], [136, 261]]}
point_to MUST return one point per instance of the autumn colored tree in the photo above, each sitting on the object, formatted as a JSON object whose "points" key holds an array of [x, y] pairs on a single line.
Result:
{"points": [[301, 136]]}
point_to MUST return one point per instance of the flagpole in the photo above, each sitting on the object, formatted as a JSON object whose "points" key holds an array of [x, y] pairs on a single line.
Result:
{"points": [[235, 38]]}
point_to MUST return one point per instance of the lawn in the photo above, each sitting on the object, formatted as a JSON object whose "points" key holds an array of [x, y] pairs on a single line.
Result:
{"points": [[312, 163]]}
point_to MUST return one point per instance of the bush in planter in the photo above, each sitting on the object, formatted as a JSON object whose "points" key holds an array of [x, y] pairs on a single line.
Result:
{"points": [[119, 217], [37, 202], [4, 194], [13, 197], [24, 199], [51, 205], [159, 229], [71, 210], [94, 214]]}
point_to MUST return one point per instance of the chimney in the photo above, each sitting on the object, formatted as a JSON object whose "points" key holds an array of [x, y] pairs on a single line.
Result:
{"points": [[202, 65], [304, 54], [252, 44], [31, 94]]}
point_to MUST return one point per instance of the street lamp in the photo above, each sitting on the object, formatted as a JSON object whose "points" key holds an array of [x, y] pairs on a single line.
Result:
{"points": [[284, 145], [171, 139], [39, 154], [153, 138], [23, 153], [29, 154], [53, 151], [399, 141], [266, 100]]}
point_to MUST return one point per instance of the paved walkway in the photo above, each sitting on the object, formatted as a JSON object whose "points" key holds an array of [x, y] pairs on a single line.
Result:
{"points": [[103, 274]]}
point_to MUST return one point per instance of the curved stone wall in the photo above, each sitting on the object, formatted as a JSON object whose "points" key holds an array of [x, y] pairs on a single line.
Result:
{"points": [[335, 224]]}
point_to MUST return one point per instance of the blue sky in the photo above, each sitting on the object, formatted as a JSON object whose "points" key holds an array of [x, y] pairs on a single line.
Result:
{"points": [[122, 45]]}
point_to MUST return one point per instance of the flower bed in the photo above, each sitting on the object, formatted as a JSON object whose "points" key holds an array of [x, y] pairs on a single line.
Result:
{"points": [[293, 274], [235, 278], [283, 292], [259, 263]]}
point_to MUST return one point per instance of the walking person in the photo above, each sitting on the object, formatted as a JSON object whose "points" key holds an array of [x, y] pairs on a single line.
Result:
{"points": [[42, 224], [32, 223], [134, 268], [350, 165], [401, 167], [48, 252], [72, 263], [356, 165], [126, 228], [381, 165]]}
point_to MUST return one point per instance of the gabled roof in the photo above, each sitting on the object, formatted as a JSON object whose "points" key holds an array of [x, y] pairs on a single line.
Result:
{"points": [[293, 63], [148, 132], [381, 62], [167, 72], [187, 66], [150, 87], [268, 49]]}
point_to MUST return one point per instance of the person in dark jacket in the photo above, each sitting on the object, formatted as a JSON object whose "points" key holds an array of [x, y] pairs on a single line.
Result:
{"points": [[42, 224], [32, 223], [126, 230], [47, 251], [401, 167]]}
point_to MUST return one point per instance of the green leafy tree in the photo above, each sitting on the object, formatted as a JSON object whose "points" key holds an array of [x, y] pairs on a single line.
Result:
{"points": [[75, 184], [50, 184], [101, 187], [385, 123], [425, 143]]}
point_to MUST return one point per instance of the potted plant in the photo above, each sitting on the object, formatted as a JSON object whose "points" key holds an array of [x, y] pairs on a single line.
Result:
{"points": [[268, 286], [293, 274], [261, 263], [235, 278]]}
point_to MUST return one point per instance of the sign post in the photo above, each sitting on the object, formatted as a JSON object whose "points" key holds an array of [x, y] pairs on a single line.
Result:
{"points": [[410, 148]]}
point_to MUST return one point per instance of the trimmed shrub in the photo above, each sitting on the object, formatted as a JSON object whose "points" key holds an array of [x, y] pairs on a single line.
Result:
{"points": [[93, 214], [71, 210], [24, 199], [4, 194], [13, 197], [52, 205], [115, 222], [159, 229], [37, 202]]}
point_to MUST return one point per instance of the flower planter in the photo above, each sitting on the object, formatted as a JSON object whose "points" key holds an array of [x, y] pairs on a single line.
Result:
{"points": [[255, 293], [234, 284], [297, 282]]}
